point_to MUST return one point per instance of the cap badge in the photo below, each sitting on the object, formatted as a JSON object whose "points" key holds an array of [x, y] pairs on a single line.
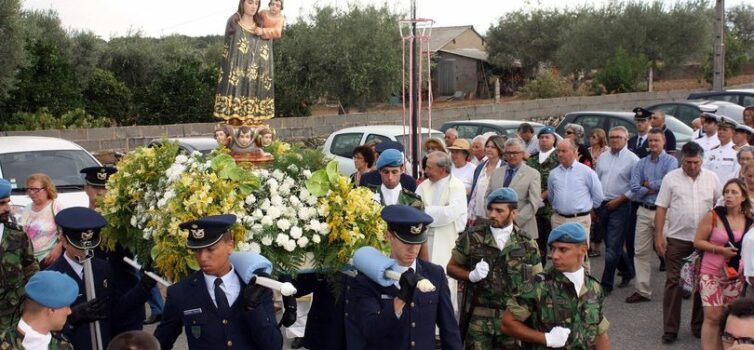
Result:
{"points": [[87, 235], [197, 233], [102, 175], [417, 229]]}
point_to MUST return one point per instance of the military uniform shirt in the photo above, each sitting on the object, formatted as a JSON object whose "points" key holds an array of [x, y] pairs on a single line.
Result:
{"points": [[11, 339], [708, 142], [17, 265], [723, 161]]}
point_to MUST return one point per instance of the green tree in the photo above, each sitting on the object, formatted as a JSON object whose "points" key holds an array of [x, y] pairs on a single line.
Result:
{"points": [[735, 56], [107, 97], [86, 53], [12, 49], [134, 59], [547, 84], [741, 24], [294, 85], [623, 72]]}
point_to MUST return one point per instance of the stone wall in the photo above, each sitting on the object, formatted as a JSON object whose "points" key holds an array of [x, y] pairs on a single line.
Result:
{"points": [[127, 138]]}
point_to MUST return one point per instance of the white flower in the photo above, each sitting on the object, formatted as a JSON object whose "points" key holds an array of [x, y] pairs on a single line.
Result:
{"points": [[296, 232], [272, 183], [196, 154], [254, 247], [278, 175], [266, 221], [175, 171], [274, 212], [312, 200], [134, 221], [284, 224], [180, 159], [256, 228], [290, 246], [304, 194], [289, 181], [307, 173], [265, 204], [147, 234], [276, 200], [244, 247], [294, 201], [314, 225], [306, 213], [293, 168], [316, 239], [267, 241], [302, 242], [290, 212], [281, 239], [324, 229], [284, 190], [376, 197], [251, 199], [248, 220], [257, 214]]}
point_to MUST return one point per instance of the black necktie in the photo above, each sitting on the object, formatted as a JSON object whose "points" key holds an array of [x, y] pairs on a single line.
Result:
{"points": [[639, 141], [220, 298], [508, 177]]}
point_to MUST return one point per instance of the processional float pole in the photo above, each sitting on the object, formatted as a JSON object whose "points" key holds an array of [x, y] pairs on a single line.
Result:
{"points": [[414, 95], [94, 327]]}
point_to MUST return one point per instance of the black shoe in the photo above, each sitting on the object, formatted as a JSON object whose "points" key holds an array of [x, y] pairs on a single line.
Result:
{"points": [[636, 298], [297, 343], [625, 282], [593, 253], [153, 319], [669, 338]]}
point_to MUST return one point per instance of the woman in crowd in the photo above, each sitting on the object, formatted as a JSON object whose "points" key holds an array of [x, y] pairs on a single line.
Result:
{"points": [[38, 219], [430, 145], [494, 150], [720, 277], [745, 156], [598, 142], [575, 132], [748, 119], [363, 160]]}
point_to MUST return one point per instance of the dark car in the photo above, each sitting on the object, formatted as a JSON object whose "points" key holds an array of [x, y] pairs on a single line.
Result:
{"points": [[687, 111], [741, 97], [607, 120], [468, 129]]}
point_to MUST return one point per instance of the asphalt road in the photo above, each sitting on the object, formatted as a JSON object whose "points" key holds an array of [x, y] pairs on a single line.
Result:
{"points": [[632, 326]]}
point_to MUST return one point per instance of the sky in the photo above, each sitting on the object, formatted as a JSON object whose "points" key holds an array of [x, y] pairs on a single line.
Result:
{"points": [[157, 18]]}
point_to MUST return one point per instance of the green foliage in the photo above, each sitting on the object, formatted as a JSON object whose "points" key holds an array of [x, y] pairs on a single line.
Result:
{"points": [[43, 120], [107, 97], [741, 24], [11, 49], [547, 84], [735, 56], [623, 72]]}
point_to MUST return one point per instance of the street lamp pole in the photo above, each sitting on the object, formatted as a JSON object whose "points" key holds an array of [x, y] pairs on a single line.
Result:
{"points": [[718, 61], [414, 95]]}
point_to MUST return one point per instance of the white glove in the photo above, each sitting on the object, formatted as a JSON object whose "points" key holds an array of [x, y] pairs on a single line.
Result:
{"points": [[480, 272], [557, 337]]}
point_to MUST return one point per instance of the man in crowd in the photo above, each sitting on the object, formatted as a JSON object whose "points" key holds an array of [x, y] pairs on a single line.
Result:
{"points": [[444, 198], [698, 126], [742, 135], [462, 169], [685, 196], [451, 135], [49, 296], [646, 178], [373, 177], [526, 134], [658, 121], [722, 159], [562, 307], [710, 139], [495, 259], [573, 189], [524, 180], [738, 323], [639, 143], [134, 340], [477, 149], [396, 317], [614, 171], [215, 307], [17, 261], [543, 161], [390, 166]]}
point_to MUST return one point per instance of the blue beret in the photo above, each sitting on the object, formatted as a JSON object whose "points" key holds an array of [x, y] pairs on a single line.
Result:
{"points": [[502, 195], [408, 223], [571, 232], [641, 113], [390, 157], [52, 289], [5, 188], [207, 231], [98, 175], [80, 226], [546, 130], [386, 145]]}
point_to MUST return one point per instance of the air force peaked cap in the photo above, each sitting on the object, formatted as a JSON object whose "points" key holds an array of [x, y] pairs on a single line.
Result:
{"points": [[386, 145], [80, 226], [5, 188], [98, 175], [208, 230], [502, 195], [52, 289], [571, 232], [641, 113], [407, 223], [390, 157]]}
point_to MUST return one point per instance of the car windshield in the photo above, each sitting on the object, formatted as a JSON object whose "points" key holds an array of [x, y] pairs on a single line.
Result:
{"points": [[62, 166], [679, 129]]}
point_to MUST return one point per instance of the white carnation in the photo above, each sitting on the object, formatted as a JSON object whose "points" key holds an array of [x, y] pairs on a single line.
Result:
{"points": [[284, 190], [276, 200], [311, 200], [274, 212], [293, 168], [256, 228], [257, 214], [174, 172], [267, 241], [265, 204], [134, 221], [254, 247], [314, 225], [303, 194], [251, 199], [284, 224], [266, 221], [244, 247], [281, 239], [316, 239], [272, 183], [294, 201], [180, 159], [290, 246], [324, 229], [302, 242], [307, 173], [296, 232], [289, 181], [278, 175]]}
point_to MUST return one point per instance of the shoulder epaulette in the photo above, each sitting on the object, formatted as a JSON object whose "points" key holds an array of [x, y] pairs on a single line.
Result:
{"points": [[716, 147]]}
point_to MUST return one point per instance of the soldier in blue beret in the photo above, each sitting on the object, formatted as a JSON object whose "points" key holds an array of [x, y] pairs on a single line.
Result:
{"points": [[396, 317], [17, 263], [577, 320], [49, 295], [494, 260], [373, 177], [214, 306], [390, 168], [544, 161], [80, 229]]}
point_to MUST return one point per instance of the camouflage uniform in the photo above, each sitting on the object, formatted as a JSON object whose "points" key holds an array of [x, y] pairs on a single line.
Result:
{"points": [[17, 265], [545, 212], [486, 300], [549, 300], [406, 197], [11, 339]]}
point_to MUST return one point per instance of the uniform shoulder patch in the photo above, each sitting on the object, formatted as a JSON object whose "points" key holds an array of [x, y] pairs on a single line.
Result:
{"points": [[714, 148]]}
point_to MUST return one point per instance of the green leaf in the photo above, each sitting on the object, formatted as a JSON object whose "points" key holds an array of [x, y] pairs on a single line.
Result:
{"points": [[237, 174], [332, 172], [191, 262], [319, 183], [154, 252], [222, 162], [246, 189]]}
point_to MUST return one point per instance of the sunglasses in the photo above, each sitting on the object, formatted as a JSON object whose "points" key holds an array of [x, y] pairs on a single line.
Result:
{"points": [[33, 190]]}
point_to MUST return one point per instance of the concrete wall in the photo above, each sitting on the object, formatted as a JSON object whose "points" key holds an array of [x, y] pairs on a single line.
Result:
{"points": [[127, 138]]}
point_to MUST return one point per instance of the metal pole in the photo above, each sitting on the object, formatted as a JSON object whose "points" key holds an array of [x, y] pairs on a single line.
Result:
{"points": [[718, 62], [414, 109], [94, 327]]}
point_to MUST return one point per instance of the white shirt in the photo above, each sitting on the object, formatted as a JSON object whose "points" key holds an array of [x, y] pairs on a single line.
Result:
{"points": [[707, 142], [544, 155], [32, 339], [747, 254], [2, 230], [75, 265], [231, 286], [502, 235], [687, 201], [389, 196], [465, 174], [723, 160], [577, 278]]}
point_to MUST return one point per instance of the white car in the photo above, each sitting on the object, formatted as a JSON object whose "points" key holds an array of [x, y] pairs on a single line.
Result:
{"points": [[21, 156], [340, 144]]}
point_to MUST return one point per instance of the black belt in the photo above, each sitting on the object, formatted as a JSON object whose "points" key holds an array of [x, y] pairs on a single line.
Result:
{"points": [[570, 216], [649, 207]]}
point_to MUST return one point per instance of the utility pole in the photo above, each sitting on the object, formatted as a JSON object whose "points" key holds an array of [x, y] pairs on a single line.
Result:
{"points": [[415, 98], [718, 61]]}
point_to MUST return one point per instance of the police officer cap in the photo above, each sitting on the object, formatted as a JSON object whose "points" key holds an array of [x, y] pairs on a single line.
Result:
{"points": [[739, 128], [80, 226], [726, 122], [568, 233], [98, 175], [390, 157], [207, 231], [407, 223], [546, 130], [642, 114], [52, 289], [710, 117], [502, 195], [5, 188], [386, 145]]}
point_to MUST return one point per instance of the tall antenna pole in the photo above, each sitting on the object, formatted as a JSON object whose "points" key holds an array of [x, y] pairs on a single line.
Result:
{"points": [[718, 61], [415, 98]]}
